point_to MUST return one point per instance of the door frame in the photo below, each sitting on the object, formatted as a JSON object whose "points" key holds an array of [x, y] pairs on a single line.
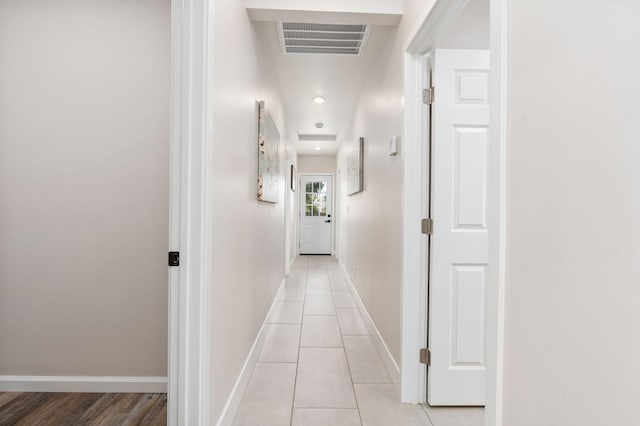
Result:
{"points": [[189, 222], [415, 195], [289, 197], [333, 208]]}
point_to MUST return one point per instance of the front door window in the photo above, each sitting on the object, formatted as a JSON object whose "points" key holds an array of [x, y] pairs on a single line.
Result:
{"points": [[316, 198]]}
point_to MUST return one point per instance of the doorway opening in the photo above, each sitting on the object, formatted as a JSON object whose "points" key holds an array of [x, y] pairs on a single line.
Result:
{"points": [[316, 214], [453, 288]]}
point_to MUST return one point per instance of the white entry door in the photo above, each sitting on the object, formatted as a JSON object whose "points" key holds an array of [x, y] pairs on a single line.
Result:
{"points": [[460, 240], [316, 219]]}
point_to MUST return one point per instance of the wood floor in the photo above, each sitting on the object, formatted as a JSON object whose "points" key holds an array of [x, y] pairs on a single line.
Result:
{"points": [[63, 409]]}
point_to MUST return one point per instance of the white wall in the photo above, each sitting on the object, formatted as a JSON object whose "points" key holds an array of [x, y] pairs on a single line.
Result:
{"points": [[373, 259], [572, 340], [351, 6], [317, 164], [248, 236], [84, 155], [470, 29]]}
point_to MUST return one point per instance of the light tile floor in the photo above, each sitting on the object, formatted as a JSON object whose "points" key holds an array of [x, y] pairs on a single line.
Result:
{"points": [[320, 367]]}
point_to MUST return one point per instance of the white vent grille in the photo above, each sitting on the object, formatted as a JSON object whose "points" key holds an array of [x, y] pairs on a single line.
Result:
{"points": [[334, 39], [317, 137]]}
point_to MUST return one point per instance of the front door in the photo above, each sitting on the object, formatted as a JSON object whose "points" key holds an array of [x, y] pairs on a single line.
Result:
{"points": [[316, 221], [460, 240]]}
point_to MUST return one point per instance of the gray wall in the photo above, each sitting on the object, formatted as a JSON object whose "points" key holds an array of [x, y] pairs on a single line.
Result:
{"points": [[84, 144]]}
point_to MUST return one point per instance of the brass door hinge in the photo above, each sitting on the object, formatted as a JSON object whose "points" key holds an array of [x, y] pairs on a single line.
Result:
{"points": [[425, 356], [428, 96], [427, 226]]}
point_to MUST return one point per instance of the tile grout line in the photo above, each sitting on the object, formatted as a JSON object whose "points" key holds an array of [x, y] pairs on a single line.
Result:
{"points": [[327, 268], [427, 414], [353, 386], [295, 379]]}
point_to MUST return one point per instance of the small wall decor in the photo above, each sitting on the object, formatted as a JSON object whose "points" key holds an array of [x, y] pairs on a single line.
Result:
{"points": [[268, 157], [293, 178], [355, 168]]}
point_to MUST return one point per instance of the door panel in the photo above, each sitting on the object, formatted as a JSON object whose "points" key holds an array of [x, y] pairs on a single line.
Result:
{"points": [[469, 174], [316, 219], [460, 240], [468, 315]]}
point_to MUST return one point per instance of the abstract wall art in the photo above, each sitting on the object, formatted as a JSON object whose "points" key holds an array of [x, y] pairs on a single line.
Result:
{"points": [[269, 183], [355, 168]]}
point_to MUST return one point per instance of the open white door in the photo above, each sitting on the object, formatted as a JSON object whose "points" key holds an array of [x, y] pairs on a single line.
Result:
{"points": [[316, 223], [460, 240]]}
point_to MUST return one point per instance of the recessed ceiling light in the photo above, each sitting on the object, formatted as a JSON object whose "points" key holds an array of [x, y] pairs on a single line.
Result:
{"points": [[319, 125], [319, 99], [317, 148]]}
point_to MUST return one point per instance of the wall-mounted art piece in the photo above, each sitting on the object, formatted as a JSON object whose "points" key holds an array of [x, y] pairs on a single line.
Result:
{"points": [[268, 157], [355, 168], [293, 178]]}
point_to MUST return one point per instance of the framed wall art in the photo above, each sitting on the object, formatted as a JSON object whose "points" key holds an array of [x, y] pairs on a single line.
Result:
{"points": [[268, 157], [355, 168]]}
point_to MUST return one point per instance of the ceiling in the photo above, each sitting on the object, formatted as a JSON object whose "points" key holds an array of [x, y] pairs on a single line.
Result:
{"points": [[338, 78]]}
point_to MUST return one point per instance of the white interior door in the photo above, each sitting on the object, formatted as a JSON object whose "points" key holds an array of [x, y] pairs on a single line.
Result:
{"points": [[316, 219], [460, 240]]}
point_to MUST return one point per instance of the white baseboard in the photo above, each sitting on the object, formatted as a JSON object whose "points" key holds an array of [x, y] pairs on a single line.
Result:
{"points": [[98, 384], [230, 410], [389, 363]]}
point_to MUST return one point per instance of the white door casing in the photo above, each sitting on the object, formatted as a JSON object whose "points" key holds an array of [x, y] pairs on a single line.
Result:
{"points": [[316, 214], [189, 317], [460, 240], [288, 199]]}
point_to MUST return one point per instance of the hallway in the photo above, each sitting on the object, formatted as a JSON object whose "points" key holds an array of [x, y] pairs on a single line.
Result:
{"points": [[319, 366]]}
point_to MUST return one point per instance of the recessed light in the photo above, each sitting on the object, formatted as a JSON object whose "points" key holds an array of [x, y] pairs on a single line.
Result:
{"points": [[317, 148], [319, 125], [319, 99]]}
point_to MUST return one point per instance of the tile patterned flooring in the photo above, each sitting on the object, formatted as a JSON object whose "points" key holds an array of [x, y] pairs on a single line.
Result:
{"points": [[320, 367]]}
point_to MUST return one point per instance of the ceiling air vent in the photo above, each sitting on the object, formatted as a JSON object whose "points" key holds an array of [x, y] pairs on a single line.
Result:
{"points": [[317, 137], [334, 39]]}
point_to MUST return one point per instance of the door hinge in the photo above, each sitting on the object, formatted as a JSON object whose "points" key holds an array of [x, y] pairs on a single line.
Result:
{"points": [[425, 356], [174, 258], [428, 95], [427, 226]]}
